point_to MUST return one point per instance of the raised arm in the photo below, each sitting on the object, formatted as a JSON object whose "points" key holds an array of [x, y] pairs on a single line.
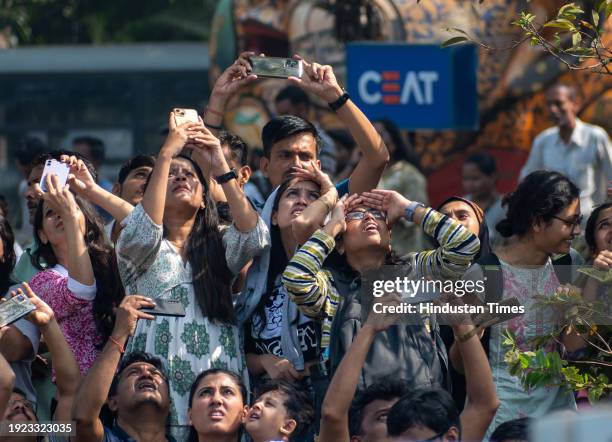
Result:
{"points": [[82, 183], [230, 81], [93, 391], [313, 216], [482, 401], [341, 390], [154, 198], [458, 245], [209, 156], [7, 380], [306, 283], [62, 201], [321, 81], [66, 367]]}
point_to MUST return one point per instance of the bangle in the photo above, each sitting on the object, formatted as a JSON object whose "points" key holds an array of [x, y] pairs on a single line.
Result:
{"points": [[119, 346], [466, 336], [213, 126], [335, 105], [214, 112]]}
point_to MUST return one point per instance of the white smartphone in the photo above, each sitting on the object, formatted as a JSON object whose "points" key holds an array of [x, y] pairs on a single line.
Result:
{"points": [[182, 116], [57, 168]]}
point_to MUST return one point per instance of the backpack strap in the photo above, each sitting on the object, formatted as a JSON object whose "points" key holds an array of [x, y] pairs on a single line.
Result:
{"points": [[494, 287]]}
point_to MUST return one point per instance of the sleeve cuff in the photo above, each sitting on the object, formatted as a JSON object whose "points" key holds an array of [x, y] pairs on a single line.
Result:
{"points": [[82, 291], [326, 238]]}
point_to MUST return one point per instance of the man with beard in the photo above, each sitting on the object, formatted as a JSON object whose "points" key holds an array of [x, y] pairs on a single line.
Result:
{"points": [[138, 395]]}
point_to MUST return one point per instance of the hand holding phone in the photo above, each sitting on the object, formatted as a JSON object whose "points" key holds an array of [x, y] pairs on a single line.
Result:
{"points": [[54, 167], [164, 307], [15, 308]]}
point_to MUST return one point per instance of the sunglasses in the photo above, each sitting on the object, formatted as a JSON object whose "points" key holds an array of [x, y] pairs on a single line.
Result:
{"points": [[361, 214]]}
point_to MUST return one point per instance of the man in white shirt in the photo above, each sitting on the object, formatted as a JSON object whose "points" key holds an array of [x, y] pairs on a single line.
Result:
{"points": [[579, 150]]}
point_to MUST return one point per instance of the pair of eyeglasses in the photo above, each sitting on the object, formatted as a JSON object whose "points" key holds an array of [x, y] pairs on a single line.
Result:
{"points": [[24, 402], [376, 214], [571, 223]]}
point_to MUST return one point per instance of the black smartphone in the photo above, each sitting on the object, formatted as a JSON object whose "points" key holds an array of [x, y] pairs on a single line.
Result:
{"points": [[164, 307]]}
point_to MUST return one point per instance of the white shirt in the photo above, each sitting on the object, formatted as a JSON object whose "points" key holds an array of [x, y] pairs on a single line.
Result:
{"points": [[586, 160]]}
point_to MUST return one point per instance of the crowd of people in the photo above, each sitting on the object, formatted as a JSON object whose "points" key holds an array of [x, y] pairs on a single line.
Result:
{"points": [[275, 341]]}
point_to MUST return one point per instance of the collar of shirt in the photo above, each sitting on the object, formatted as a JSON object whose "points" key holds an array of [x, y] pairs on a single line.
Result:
{"points": [[117, 433], [578, 137]]}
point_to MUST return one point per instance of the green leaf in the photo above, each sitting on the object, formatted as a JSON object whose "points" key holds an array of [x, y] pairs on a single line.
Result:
{"points": [[534, 41], [576, 39], [453, 41], [560, 23], [541, 359], [595, 17], [461, 31], [524, 360]]}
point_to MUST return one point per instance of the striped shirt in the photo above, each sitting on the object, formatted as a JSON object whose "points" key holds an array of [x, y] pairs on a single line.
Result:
{"points": [[312, 287]]}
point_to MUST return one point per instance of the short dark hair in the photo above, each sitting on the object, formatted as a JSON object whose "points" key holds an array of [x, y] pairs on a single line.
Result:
{"points": [[96, 146], [134, 163], [132, 358], [589, 231], [41, 159], [484, 161], [28, 149], [384, 389], [297, 402], [296, 95], [516, 429], [279, 128], [238, 148], [431, 408], [539, 197]]}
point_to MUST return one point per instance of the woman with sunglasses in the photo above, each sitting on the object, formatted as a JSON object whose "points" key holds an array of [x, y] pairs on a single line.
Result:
{"points": [[543, 218], [409, 351]]}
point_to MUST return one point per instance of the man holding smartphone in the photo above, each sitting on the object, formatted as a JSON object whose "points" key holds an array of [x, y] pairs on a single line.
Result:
{"points": [[301, 145]]}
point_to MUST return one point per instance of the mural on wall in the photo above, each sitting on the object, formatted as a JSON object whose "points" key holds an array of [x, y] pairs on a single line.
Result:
{"points": [[511, 82]]}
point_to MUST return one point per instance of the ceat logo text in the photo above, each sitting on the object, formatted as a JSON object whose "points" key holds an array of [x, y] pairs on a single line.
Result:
{"points": [[388, 87]]}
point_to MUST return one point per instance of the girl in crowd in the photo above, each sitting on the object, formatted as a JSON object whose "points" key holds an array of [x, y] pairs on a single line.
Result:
{"points": [[403, 174], [217, 406], [81, 280], [407, 351], [479, 178], [171, 248], [543, 217]]}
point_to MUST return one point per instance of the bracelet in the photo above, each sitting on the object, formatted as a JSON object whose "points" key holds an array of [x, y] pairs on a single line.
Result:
{"points": [[214, 112], [335, 105], [466, 336], [119, 346]]}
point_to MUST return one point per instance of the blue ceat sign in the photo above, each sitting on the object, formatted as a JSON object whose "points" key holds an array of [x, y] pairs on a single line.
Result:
{"points": [[415, 86]]}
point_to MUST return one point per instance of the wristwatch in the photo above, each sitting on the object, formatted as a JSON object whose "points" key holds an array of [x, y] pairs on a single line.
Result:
{"points": [[335, 105], [409, 212], [231, 175]]}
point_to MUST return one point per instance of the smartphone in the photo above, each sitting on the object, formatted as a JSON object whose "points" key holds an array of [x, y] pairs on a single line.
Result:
{"points": [[275, 67], [57, 168], [182, 116], [14, 309], [163, 307]]}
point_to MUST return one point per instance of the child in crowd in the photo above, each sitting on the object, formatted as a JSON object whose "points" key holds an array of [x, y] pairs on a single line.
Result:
{"points": [[81, 281]]}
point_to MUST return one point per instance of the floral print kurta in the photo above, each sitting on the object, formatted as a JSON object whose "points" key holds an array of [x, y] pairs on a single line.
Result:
{"points": [[151, 266]]}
